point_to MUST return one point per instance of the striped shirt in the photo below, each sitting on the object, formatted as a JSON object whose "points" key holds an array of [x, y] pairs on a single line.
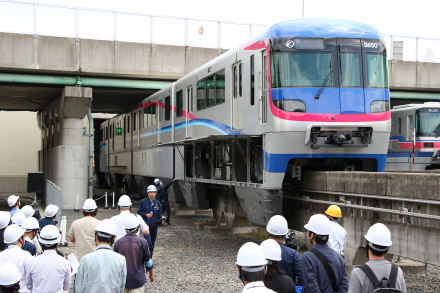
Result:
{"points": [[48, 273], [21, 259]]}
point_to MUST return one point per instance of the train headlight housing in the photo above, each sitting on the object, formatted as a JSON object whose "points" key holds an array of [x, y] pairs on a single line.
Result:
{"points": [[379, 106], [290, 105]]}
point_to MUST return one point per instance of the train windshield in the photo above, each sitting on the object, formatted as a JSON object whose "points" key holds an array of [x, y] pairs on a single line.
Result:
{"points": [[301, 69], [428, 122], [377, 73]]}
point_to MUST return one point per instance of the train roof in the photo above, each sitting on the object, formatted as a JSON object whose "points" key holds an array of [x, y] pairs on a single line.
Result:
{"points": [[416, 106], [320, 27]]}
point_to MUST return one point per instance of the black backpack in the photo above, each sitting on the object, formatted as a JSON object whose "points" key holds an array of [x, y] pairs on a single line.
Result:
{"points": [[385, 285]]}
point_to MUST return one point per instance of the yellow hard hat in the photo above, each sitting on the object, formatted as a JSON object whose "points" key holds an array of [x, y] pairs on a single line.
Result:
{"points": [[334, 211]]}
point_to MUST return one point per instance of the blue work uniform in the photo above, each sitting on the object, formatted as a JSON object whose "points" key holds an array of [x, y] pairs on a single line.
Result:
{"points": [[46, 221], [147, 207], [162, 197], [291, 264], [315, 278]]}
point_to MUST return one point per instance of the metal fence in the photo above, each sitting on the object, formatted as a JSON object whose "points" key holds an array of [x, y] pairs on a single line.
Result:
{"points": [[53, 195], [84, 23]]}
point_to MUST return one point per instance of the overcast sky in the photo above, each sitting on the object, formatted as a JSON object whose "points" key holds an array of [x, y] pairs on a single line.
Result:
{"points": [[397, 17]]}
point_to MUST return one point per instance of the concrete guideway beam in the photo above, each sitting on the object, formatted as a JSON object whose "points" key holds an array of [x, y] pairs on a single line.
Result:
{"points": [[64, 156]]}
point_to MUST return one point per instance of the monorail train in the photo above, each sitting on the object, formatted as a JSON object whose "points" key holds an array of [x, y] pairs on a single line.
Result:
{"points": [[414, 142], [307, 94]]}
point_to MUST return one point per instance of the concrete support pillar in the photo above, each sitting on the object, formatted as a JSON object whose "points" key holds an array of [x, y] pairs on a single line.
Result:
{"points": [[65, 157]]}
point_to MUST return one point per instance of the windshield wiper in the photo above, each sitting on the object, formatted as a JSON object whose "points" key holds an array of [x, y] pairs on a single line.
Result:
{"points": [[323, 84]]}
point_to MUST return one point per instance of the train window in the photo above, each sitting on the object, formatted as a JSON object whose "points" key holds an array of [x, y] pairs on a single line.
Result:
{"points": [[210, 91], [201, 94], [309, 43], [301, 69], [106, 133], [290, 105], [134, 121], [428, 122], [350, 70], [234, 81], [179, 103], [240, 80], [252, 80], [377, 72], [189, 99], [145, 116], [111, 131], [167, 108], [399, 125], [151, 114], [220, 87], [128, 124]]}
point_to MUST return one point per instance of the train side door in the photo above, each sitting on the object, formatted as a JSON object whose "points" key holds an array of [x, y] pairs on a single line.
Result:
{"points": [[264, 91], [189, 105], [410, 129], [351, 93], [237, 93], [159, 116]]}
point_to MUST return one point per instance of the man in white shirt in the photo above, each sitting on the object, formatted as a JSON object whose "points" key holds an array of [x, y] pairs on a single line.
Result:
{"points": [[338, 236], [14, 237], [48, 272], [125, 204]]}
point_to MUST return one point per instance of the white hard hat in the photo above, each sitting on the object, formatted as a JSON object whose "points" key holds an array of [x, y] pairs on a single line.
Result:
{"points": [[89, 205], [251, 255], [124, 201], [131, 222], [50, 235], [51, 210], [12, 234], [30, 224], [277, 225], [379, 234], [28, 211], [12, 200], [319, 224], [151, 188], [106, 228], [271, 249], [18, 218], [157, 181], [9, 274], [5, 218]]}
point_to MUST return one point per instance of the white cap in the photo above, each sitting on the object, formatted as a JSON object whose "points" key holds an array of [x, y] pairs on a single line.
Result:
{"points": [[157, 181], [380, 235], [30, 224], [151, 188], [319, 224], [12, 200], [106, 228], [277, 225], [124, 201], [89, 205], [5, 218], [50, 211], [18, 218], [131, 222], [50, 235], [271, 249], [28, 211], [12, 234], [251, 255], [9, 274]]}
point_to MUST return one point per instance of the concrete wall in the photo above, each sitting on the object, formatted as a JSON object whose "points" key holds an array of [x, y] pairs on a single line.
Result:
{"points": [[407, 75]]}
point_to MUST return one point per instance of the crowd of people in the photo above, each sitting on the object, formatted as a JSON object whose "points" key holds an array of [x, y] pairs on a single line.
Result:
{"points": [[116, 255], [273, 267]]}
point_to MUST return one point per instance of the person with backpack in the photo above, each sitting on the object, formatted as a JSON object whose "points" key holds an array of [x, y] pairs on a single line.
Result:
{"points": [[377, 273], [323, 268]]}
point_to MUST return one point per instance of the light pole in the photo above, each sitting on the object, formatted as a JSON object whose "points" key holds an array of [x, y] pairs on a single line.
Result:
{"points": [[303, 8]]}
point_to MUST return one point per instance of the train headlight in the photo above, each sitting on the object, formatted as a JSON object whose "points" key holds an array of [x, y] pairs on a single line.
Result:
{"points": [[290, 105], [379, 106]]}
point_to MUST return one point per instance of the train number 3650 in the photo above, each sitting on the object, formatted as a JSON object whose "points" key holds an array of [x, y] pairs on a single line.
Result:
{"points": [[370, 45]]}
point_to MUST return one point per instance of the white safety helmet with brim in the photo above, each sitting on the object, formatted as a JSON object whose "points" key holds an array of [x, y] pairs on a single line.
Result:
{"points": [[30, 224], [131, 223], [50, 211], [89, 205], [157, 181], [12, 200], [124, 201], [9, 274], [379, 234], [18, 218], [319, 224], [28, 211], [49, 235], [106, 228], [277, 225], [271, 249], [12, 234], [250, 257], [5, 219], [151, 188]]}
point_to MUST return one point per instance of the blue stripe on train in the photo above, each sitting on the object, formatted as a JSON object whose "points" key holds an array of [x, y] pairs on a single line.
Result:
{"points": [[277, 163], [409, 154]]}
